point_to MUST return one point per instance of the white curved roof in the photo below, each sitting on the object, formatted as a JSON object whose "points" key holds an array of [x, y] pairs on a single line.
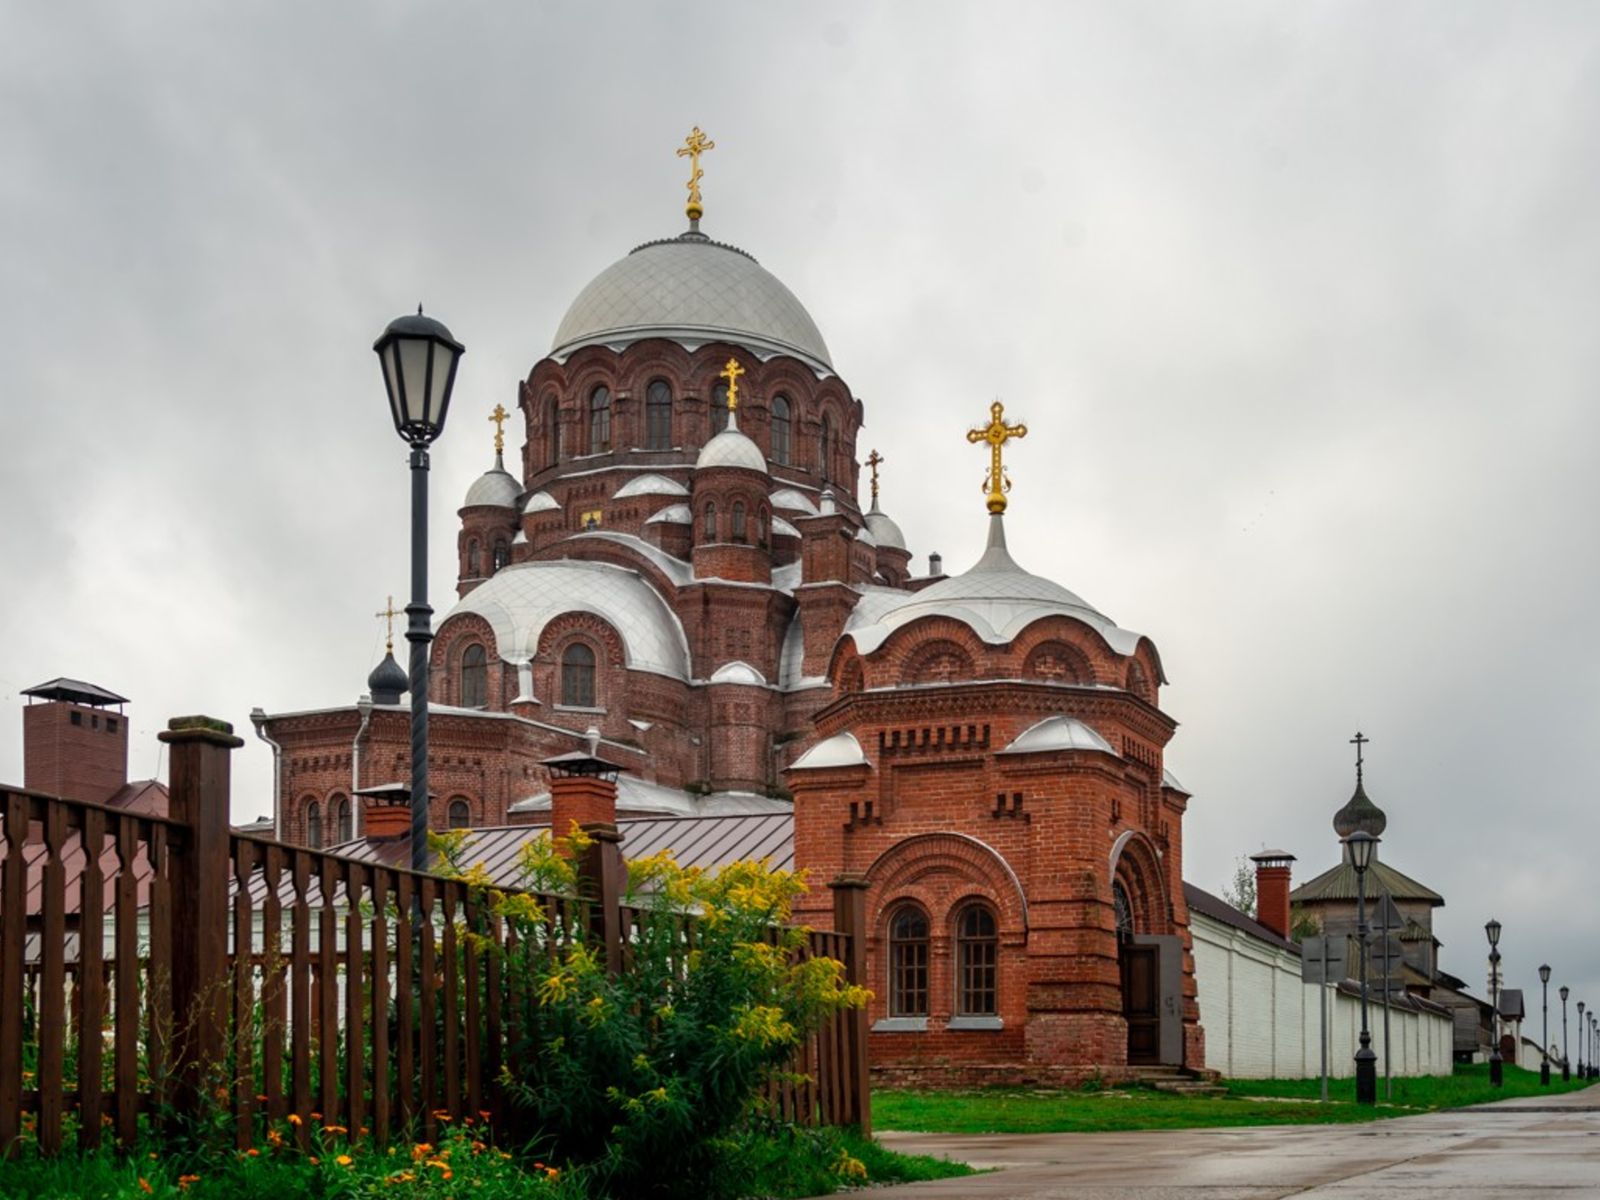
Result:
{"points": [[731, 448], [1058, 733], [884, 531], [692, 290], [794, 500], [996, 599], [496, 487], [841, 750], [541, 502], [738, 672], [518, 601], [782, 528], [651, 485], [672, 514]]}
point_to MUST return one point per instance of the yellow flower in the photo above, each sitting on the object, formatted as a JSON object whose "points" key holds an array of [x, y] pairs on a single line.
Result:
{"points": [[334, 1129], [344, 1160], [294, 1119]]}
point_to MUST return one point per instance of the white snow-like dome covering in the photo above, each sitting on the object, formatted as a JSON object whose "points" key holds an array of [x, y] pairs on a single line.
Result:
{"points": [[651, 485], [884, 531], [996, 598], [692, 290], [738, 672], [672, 514], [841, 750], [540, 502], [496, 488], [793, 500], [1058, 733], [782, 528], [730, 448], [518, 601]]}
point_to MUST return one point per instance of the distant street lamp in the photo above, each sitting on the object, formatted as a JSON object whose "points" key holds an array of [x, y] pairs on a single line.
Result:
{"points": [[419, 359], [1496, 1066], [1566, 1061], [1582, 1037], [1594, 1041], [1544, 1061], [1361, 845]]}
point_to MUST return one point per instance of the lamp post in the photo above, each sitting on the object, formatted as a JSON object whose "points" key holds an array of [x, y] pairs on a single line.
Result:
{"points": [[1566, 1061], [1594, 1039], [1361, 845], [1496, 1066], [1544, 1004], [419, 359], [1582, 1028]]}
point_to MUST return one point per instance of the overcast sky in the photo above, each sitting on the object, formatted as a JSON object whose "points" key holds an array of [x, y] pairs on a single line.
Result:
{"points": [[1299, 302]]}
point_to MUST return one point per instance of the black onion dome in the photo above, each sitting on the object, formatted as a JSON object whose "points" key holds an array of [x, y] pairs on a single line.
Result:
{"points": [[1360, 815], [388, 680]]}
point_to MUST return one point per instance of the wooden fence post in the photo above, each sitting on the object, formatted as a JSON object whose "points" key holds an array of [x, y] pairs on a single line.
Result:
{"points": [[201, 749], [850, 919], [600, 878]]}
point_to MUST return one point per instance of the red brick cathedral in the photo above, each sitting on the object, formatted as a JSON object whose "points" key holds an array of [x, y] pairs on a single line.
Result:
{"points": [[681, 562]]}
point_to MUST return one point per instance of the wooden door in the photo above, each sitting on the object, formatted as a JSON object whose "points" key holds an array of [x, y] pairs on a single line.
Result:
{"points": [[1141, 1003]]}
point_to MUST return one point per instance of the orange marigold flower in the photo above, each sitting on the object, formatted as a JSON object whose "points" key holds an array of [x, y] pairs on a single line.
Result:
{"points": [[316, 1116], [253, 1152], [185, 1180], [294, 1119], [334, 1129], [478, 1147], [313, 1160], [344, 1160], [274, 1138], [363, 1131], [483, 1113], [144, 1186]]}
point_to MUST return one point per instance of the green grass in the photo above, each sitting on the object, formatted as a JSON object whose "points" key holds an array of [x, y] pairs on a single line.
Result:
{"points": [[790, 1163], [1248, 1102]]}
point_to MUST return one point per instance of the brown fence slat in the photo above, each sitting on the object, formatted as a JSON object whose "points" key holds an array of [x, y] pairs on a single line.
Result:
{"points": [[125, 1039], [52, 978], [91, 980], [405, 1016], [380, 1005], [355, 1026], [428, 1010], [450, 973], [160, 1019], [472, 914], [274, 984], [327, 977], [300, 995], [244, 1031], [13, 901]]}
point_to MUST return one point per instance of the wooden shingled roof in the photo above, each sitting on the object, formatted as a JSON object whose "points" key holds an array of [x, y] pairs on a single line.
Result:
{"points": [[1339, 883]]}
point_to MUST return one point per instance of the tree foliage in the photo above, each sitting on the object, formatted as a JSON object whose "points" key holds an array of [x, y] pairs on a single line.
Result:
{"points": [[1240, 892]]}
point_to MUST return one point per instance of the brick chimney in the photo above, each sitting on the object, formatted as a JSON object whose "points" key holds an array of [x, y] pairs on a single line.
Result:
{"points": [[583, 788], [74, 741], [1272, 889]]}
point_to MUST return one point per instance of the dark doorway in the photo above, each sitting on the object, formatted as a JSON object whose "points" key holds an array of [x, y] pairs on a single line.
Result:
{"points": [[1141, 1002]]}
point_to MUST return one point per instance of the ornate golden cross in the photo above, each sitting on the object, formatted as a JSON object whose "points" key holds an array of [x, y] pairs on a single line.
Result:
{"points": [[997, 433], [389, 614], [731, 373], [873, 461], [693, 147], [499, 416]]}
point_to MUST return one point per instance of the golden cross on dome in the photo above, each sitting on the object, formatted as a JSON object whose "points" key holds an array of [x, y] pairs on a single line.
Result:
{"points": [[731, 373], [997, 433], [499, 416], [389, 614], [693, 147], [874, 460]]}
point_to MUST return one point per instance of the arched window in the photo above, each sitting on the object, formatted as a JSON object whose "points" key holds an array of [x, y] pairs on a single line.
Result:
{"points": [[474, 677], [658, 416], [501, 557], [719, 408], [474, 564], [314, 825], [599, 420], [763, 527], [1122, 907], [709, 526], [908, 963], [339, 811], [577, 676], [552, 430], [738, 520], [977, 955], [460, 813], [825, 450], [780, 430]]}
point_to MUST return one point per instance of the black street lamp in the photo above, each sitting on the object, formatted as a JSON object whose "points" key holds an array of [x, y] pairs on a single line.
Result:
{"points": [[1544, 1058], [1594, 1040], [1496, 1065], [1582, 1037], [419, 359], [1361, 845], [1566, 1060]]}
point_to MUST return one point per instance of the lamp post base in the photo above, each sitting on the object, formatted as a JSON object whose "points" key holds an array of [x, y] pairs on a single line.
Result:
{"points": [[1496, 1071], [1544, 1074], [1566, 1072], [1366, 1076]]}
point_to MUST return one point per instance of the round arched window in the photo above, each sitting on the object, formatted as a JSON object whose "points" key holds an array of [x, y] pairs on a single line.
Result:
{"points": [[460, 813], [780, 430], [577, 676], [977, 962], [658, 415], [474, 677], [600, 420], [314, 825], [908, 962]]}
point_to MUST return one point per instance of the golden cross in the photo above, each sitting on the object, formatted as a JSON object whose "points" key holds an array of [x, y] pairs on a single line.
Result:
{"points": [[693, 147], [389, 614], [997, 433], [499, 416], [873, 461], [731, 373]]}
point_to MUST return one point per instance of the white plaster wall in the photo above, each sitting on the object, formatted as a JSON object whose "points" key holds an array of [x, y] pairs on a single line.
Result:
{"points": [[1261, 1022]]}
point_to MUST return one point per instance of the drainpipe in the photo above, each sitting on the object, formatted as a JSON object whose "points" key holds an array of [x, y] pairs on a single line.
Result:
{"points": [[364, 706], [258, 718]]}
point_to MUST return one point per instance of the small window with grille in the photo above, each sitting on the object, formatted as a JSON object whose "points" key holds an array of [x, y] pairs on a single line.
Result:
{"points": [[977, 958], [908, 963]]}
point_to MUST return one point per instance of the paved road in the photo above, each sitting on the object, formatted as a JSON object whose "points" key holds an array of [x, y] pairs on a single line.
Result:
{"points": [[1539, 1149]]}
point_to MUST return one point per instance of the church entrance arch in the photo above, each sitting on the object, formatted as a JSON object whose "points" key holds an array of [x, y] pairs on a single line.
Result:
{"points": [[1141, 976], [1149, 957]]}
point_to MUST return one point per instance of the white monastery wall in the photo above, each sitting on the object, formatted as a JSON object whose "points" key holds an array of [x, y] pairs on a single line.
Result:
{"points": [[1262, 1022]]}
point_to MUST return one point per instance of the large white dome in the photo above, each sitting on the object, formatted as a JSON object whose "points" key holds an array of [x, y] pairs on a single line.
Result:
{"points": [[692, 290]]}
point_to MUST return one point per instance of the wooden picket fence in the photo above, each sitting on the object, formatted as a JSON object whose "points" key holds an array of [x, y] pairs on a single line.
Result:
{"points": [[166, 965]]}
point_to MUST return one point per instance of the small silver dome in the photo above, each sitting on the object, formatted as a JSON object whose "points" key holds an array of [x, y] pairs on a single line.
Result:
{"points": [[730, 448], [884, 531], [496, 488]]}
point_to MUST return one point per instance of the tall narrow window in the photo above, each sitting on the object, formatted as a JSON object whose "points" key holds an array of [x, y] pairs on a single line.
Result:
{"points": [[552, 430], [501, 555], [977, 953], [658, 416], [340, 812], [460, 813], [908, 963], [474, 563], [577, 676], [599, 420], [710, 524], [1122, 911], [314, 825], [763, 527], [738, 520], [719, 408], [780, 430], [825, 450], [474, 677]]}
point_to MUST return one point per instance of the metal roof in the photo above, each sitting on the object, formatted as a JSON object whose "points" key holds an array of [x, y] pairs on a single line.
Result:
{"points": [[74, 690], [691, 290], [1203, 902], [496, 487], [1339, 883]]}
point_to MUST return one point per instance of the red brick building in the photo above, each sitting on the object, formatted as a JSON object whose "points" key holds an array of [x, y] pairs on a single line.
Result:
{"points": [[681, 562]]}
